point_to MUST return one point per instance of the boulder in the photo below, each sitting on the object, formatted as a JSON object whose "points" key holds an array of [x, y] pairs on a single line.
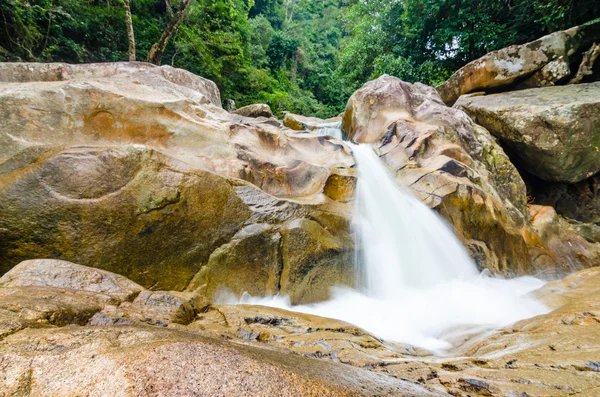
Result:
{"points": [[302, 123], [565, 240], [451, 164], [124, 103], [553, 132], [499, 70], [105, 206], [99, 162], [62, 274], [160, 77], [135, 360], [255, 110]]}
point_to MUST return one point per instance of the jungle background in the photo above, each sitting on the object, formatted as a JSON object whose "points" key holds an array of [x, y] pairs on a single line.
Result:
{"points": [[304, 56]]}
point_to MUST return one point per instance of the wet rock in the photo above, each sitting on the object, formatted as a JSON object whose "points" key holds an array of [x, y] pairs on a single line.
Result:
{"points": [[133, 360], [300, 123], [449, 163], [305, 274], [551, 354], [303, 334], [564, 241]]}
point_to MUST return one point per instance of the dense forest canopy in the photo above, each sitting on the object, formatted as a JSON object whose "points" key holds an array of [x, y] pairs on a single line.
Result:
{"points": [[305, 56]]}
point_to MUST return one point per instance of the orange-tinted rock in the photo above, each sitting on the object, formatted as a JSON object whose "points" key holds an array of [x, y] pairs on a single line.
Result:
{"points": [[451, 164]]}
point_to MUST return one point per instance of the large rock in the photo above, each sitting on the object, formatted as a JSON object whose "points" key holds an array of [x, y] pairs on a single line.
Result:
{"points": [[108, 346], [304, 123], [200, 89], [62, 274], [554, 132], [255, 110], [565, 240], [135, 103], [451, 164], [501, 69], [136, 169], [103, 345], [105, 206], [132, 361], [303, 334]]}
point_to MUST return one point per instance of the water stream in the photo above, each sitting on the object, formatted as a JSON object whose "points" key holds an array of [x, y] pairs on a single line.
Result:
{"points": [[417, 283], [331, 129]]}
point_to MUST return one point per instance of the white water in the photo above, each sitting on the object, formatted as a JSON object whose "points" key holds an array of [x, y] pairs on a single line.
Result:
{"points": [[331, 129], [417, 283]]}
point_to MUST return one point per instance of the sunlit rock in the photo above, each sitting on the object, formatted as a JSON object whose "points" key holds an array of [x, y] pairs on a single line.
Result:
{"points": [[255, 110], [449, 163], [553, 132], [500, 69]]}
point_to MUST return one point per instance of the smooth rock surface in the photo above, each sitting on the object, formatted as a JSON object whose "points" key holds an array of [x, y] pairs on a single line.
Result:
{"points": [[255, 110], [554, 132], [123, 103], [62, 274], [105, 206], [299, 122], [136, 169], [132, 361], [51, 334]]}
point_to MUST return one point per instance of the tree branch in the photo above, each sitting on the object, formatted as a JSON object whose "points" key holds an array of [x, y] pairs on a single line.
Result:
{"points": [[158, 48]]}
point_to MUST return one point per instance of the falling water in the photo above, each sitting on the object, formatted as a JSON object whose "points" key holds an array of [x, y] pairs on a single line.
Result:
{"points": [[331, 129], [405, 244], [418, 285]]}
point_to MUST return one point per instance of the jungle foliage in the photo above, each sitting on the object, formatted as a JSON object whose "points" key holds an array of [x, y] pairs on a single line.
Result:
{"points": [[305, 56]]}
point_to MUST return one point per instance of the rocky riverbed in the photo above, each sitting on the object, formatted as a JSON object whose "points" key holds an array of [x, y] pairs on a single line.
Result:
{"points": [[130, 198]]}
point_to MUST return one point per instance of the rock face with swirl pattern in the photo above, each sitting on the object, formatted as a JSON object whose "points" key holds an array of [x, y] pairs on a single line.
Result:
{"points": [[137, 169]]}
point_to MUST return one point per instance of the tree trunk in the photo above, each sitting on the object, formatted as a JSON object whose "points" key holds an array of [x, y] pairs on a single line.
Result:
{"points": [[158, 48], [130, 35]]}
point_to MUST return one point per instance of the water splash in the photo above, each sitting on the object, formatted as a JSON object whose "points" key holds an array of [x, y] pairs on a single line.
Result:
{"points": [[417, 283]]}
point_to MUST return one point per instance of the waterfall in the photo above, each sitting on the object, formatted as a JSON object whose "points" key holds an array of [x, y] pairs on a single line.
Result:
{"points": [[405, 244], [417, 283], [331, 129]]}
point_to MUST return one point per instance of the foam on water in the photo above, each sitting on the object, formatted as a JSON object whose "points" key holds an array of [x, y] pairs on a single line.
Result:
{"points": [[416, 283]]}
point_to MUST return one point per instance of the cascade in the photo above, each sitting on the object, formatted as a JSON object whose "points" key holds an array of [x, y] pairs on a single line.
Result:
{"points": [[331, 129], [416, 283]]}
